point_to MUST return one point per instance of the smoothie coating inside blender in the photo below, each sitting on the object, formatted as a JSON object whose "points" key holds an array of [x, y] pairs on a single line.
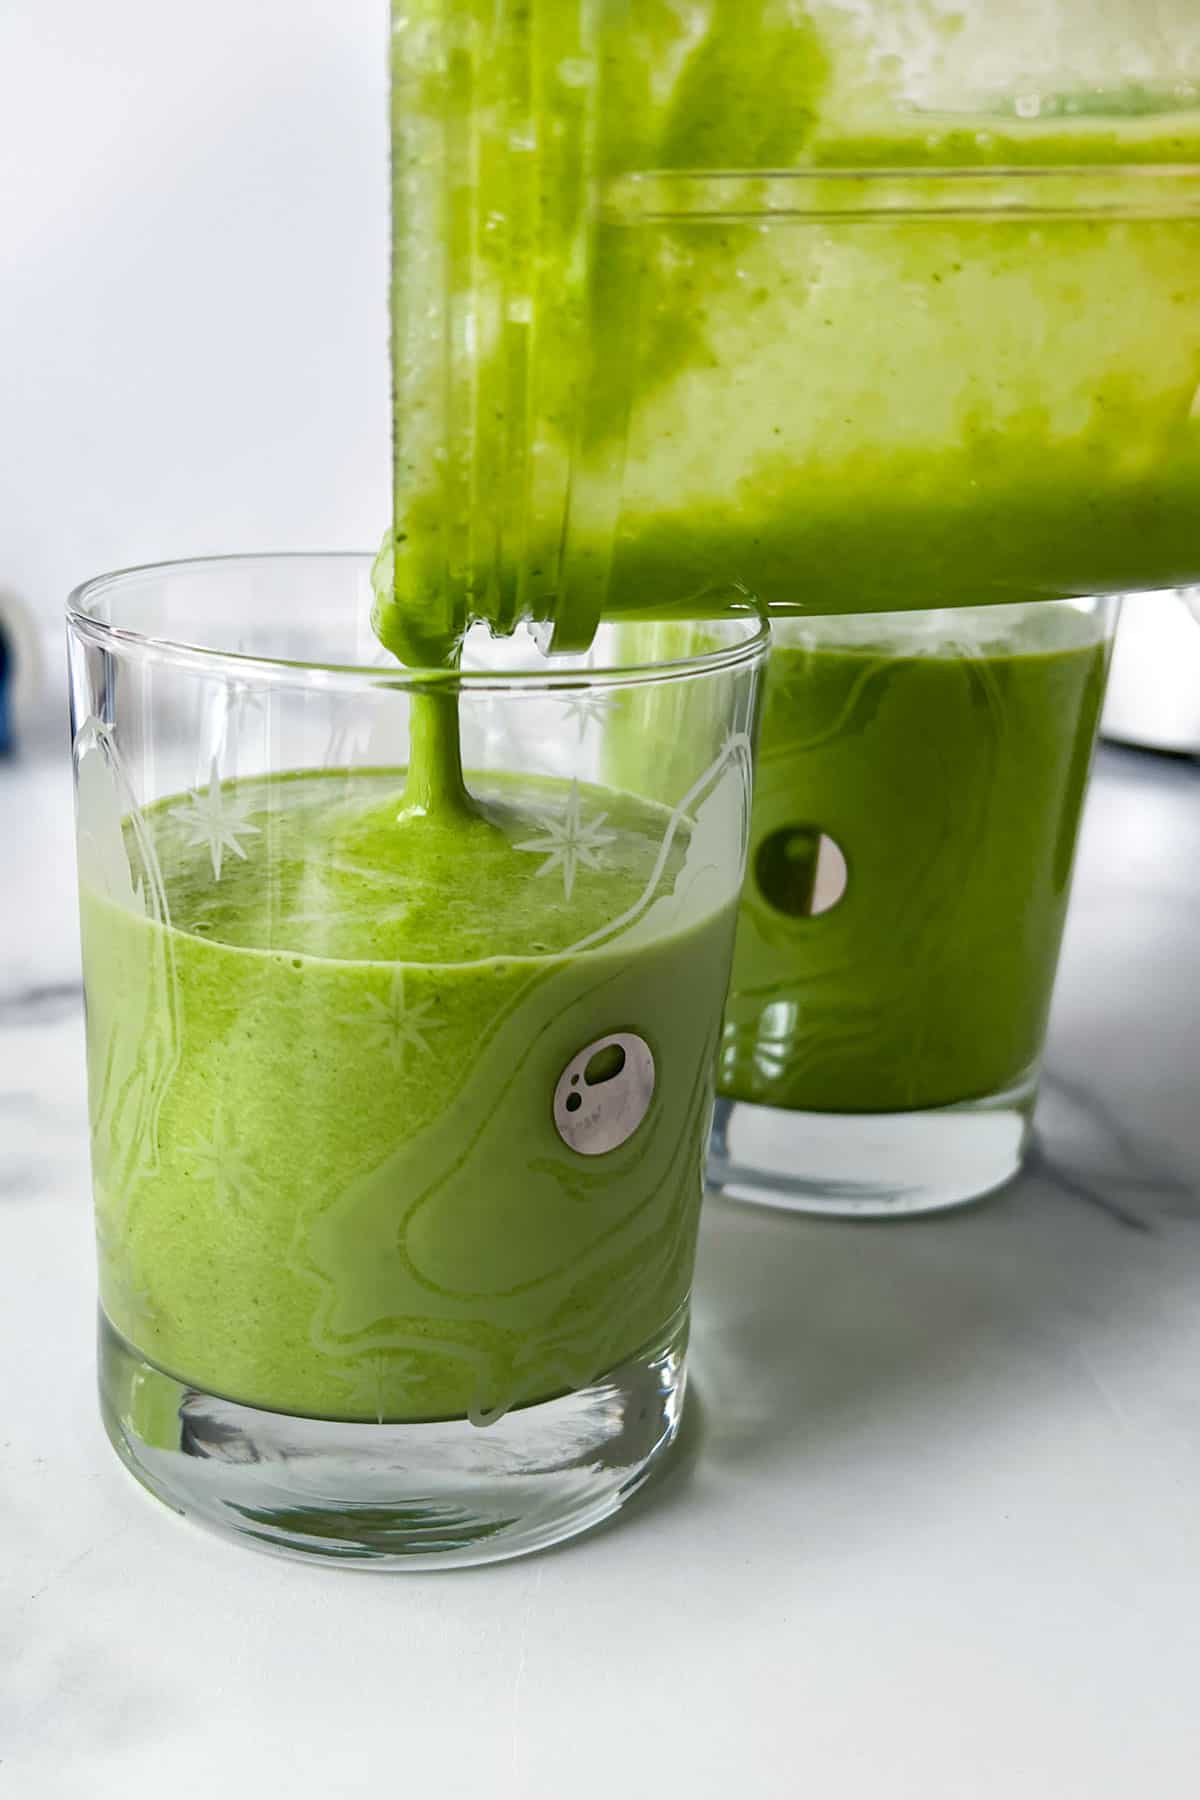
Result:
{"points": [[847, 308]]}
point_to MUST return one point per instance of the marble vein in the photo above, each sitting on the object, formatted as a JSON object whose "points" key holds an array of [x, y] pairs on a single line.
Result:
{"points": [[40, 1004]]}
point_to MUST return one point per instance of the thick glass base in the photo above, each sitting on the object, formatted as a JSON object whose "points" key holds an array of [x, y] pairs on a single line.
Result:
{"points": [[869, 1165], [396, 1496]]}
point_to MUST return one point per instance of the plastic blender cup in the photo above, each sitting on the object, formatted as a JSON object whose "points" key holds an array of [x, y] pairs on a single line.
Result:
{"points": [[857, 309]]}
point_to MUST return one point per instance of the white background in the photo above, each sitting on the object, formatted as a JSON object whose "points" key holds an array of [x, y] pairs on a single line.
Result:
{"points": [[193, 282]]}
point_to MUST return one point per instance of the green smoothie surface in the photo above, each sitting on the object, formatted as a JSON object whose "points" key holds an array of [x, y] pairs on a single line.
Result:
{"points": [[350, 876]]}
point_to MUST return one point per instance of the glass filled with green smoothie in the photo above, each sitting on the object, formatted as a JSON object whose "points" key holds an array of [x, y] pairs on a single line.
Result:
{"points": [[402, 1022], [917, 804]]}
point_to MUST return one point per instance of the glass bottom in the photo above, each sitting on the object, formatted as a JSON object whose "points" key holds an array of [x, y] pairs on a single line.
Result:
{"points": [[386, 1496], [870, 1165]]}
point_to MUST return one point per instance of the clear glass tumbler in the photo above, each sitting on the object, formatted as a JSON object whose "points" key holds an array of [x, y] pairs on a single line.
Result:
{"points": [[399, 1102], [920, 782]]}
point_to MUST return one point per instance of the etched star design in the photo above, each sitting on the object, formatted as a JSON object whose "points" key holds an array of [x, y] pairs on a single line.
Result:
{"points": [[397, 1025], [394, 1372], [213, 819], [222, 1165], [569, 841], [406, 1368], [586, 708]]}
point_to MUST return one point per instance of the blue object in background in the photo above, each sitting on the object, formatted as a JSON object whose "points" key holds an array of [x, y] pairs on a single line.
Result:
{"points": [[20, 670], [6, 682]]}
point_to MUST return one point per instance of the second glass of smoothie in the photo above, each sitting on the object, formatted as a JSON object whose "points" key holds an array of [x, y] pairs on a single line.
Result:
{"points": [[920, 786], [401, 1035]]}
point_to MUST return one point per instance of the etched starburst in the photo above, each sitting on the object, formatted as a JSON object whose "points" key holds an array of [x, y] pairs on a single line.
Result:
{"points": [[406, 1368], [569, 842], [213, 818], [394, 1373], [397, 1025], [222, 1165], [586, 708]]}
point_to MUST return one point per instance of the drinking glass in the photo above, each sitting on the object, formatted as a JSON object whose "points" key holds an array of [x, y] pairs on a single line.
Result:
{"points": [[920, 786], [398, 1113]]}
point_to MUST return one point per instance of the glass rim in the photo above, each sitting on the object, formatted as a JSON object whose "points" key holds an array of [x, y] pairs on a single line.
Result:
{"points": [[282, 671]]}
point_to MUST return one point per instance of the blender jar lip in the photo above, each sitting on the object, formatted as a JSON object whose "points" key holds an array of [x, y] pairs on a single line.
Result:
{"points": [[118, 639], [871, 191]]}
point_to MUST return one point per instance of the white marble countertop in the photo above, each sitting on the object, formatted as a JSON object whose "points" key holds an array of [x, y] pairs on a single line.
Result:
{"points": [[935, 1530]]}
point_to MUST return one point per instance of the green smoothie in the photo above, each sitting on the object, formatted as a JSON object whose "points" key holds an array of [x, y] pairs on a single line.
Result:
{"points": [[322, 1067], [947, 761], [687, 301]]}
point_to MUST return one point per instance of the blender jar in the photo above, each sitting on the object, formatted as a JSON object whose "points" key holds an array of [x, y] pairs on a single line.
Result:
{"points": [[852, 307]]}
